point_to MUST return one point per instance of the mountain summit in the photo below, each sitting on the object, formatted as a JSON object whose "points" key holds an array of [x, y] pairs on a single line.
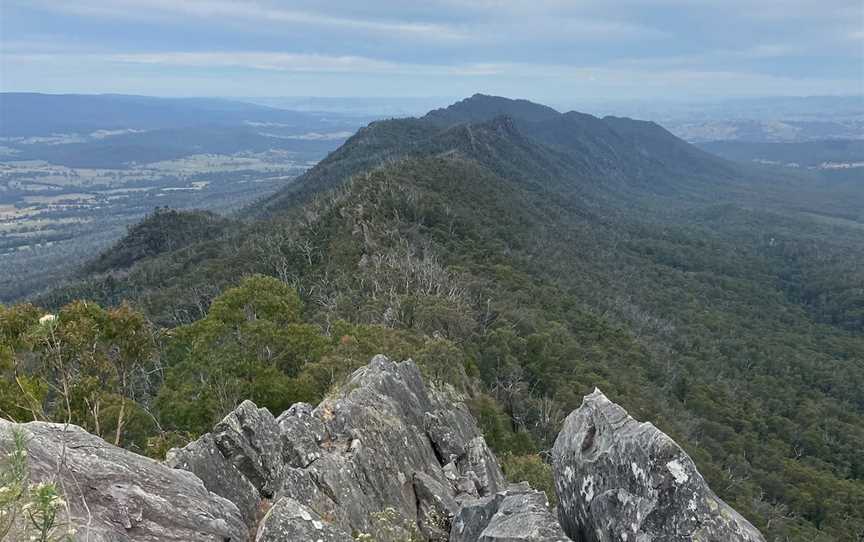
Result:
{"points": [[482, 107], [574, 152]]}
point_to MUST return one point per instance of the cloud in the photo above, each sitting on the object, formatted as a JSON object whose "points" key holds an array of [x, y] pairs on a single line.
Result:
{"points": [[234, 11], [435, 46], [449, 26], [621, 79]]}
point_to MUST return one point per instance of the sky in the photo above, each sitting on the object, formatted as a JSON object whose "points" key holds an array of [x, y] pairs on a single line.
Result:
{"points": [[550, 50]]}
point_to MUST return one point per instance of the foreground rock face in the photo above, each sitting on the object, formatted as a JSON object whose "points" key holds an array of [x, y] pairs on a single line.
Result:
{"points": [[618, 479], [384, 459], [117, 496]]}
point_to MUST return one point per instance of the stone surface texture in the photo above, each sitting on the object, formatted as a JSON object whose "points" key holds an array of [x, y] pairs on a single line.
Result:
{"points": [[619, 479]]}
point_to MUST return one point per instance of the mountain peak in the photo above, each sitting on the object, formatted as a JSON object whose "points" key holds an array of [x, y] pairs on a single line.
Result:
{"points": [[483, 107]]}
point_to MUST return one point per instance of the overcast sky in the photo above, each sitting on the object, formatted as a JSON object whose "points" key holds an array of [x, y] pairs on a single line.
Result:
{"points": [[551, 50]]}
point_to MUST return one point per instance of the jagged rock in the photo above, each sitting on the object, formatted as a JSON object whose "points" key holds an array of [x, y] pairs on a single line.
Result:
{"points": [[301, 435], [618, 479], [518, 514], [299, 484], [450, 430], [204, 459], [523, 516], [335, 476], [249, 437], [115, 495], [480, 463], [376, 439], [290, 521], [435, 507], [473, 517], [383, 456], [465, 486]]}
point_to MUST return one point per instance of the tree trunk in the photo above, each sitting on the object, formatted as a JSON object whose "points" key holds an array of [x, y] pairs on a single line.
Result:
{"points": [[120, 421]]}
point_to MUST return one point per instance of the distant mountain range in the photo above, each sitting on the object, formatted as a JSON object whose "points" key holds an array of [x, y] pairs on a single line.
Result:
{"points": [[114, 131], [768, 119], [32, 114]]}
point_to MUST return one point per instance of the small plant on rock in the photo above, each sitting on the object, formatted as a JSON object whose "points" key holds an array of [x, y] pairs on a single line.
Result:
{"points": [[29, 512]]}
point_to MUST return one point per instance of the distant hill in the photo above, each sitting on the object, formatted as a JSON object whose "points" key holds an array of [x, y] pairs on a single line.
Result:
{"points": [[115, 131], [162, 231], [802, 154], [614, 154], [33, 114], [143, 147], [481, 107]]}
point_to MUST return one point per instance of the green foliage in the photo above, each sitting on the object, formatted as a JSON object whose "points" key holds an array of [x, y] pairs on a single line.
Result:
{"points": [[85, 365], [251, 345], [534, 470], [442, 362], [13, 483], [389, 526], [30, 509], [21, 395], [161, 231]]}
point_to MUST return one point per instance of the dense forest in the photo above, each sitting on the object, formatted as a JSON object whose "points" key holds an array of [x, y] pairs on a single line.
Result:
{"points": [[523, 257]]}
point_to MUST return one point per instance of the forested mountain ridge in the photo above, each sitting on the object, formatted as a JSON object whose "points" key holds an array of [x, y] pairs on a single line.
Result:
{"points": [[33, 114], [530, 273], [623, 156]]}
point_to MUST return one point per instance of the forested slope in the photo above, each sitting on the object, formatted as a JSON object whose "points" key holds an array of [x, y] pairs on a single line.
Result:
{"points": [[529, 272]]}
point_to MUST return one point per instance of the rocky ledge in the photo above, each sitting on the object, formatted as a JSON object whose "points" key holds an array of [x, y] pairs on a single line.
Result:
{"points": [[384, 459]]}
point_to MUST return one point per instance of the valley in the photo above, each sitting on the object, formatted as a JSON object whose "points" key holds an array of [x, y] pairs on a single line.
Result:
{"points": [[53, 217], [72, 181]]}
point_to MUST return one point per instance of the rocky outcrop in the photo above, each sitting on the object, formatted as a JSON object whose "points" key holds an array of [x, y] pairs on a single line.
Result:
{"points": [[523, 515], [383, 458], [618, 479], [249, 438], [114, 495], [435, 507]]}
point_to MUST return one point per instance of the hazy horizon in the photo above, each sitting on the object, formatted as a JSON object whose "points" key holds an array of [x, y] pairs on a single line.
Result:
{"points": [[552, 52]]}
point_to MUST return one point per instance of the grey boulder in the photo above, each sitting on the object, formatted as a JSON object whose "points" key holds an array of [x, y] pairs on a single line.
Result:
{"points": [[523, 517], [249, 438], [204, 459], [435, 507], [480, 464], [114, 495], [473, 517], [618, 479], [518, 514], [301, 433], [290, 521]]}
